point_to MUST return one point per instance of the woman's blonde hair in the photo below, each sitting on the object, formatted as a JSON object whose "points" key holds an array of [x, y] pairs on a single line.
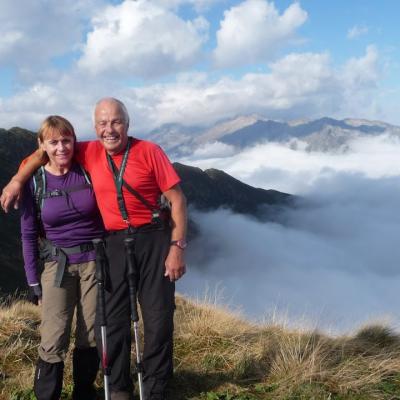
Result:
{"points": [[55, 124]]}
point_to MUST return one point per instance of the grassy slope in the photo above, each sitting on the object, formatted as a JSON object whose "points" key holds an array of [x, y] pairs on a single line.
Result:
{"points": [[219, 356]]}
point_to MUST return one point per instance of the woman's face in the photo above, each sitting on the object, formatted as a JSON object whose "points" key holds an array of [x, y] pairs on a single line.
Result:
{"points": [[59, 148]]}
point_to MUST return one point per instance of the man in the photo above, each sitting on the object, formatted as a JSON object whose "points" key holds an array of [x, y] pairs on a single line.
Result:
{"points": [[159, 244]]}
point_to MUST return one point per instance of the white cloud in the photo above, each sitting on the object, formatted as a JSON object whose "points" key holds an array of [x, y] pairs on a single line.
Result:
{"points": [[70, 96], [213, 150], [278, 166], [141, 39], [293, 86], [199, 5], [33, 32], [30, 107], [297, 86], [9, 40], [363, 71], [361, 79], [252, 31], [357, 31], [298, 75]]}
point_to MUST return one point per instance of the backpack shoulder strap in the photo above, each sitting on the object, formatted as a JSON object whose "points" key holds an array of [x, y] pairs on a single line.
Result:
{"points": [[86, 175], [39, 188], [42, 193]]}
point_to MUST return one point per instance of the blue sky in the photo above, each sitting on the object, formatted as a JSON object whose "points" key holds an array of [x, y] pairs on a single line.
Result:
{"points": [[196, 62]]}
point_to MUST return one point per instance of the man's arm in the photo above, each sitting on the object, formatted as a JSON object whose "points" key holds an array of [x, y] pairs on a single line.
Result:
{"points": [[12, 191], [175, 262]]}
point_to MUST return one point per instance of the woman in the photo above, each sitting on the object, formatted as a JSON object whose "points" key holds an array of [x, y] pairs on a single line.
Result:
{"points": [[59, 211]]}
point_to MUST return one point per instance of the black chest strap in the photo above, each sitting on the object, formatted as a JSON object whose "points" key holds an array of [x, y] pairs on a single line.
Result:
{"points": [[119, 181]]}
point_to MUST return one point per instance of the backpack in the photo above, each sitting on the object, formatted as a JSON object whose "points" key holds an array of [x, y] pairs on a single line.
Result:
{"points": [[40, 192]]}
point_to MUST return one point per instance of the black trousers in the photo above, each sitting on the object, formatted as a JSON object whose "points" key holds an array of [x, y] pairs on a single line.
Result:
{"points": [[157, 304]]}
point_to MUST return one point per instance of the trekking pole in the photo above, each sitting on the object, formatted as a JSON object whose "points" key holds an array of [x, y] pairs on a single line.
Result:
{"points": [[132, 281], [101, 308]]}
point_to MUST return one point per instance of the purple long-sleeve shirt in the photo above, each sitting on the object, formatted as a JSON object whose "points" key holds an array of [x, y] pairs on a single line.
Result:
{"points": [[68, 220]]}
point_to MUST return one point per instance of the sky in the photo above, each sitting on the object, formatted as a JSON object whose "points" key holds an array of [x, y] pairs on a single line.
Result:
{"points": [[196, 62]]}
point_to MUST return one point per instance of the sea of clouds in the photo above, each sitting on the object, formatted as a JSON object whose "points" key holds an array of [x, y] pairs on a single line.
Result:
{"points": [[333, 262]]}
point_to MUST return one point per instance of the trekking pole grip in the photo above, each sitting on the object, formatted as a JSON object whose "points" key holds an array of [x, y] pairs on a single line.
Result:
{"points": [[101, 310], [132, 276]]}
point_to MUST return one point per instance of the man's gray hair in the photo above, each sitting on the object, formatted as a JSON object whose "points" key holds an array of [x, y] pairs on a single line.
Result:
{"points": [[114, 100]]}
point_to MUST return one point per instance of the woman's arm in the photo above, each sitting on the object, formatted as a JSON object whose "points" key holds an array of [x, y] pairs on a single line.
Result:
{"points": [[30, 235]]}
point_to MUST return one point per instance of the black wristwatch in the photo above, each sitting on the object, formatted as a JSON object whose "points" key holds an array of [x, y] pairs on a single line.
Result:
{"points": [[181, 243]]}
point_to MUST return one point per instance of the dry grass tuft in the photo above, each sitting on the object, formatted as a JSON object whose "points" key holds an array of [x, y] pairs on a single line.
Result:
{"points": [[211, 338], [217, 352], [19, 338]]}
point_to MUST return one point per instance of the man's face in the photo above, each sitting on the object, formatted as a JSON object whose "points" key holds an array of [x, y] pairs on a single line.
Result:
{"points": [[111, 126]]}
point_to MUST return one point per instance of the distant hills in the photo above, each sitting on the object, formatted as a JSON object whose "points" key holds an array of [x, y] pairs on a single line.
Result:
{"points": [[324, 134], [213, 189], [205, 190]]}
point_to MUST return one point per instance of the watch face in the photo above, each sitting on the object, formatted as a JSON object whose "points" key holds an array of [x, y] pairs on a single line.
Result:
{"points": [[181, 243]]}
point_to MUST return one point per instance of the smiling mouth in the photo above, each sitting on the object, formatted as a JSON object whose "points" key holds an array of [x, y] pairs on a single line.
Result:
{"points": [[111, 138]]}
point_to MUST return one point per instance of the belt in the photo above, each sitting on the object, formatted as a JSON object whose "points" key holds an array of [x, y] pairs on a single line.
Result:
{"points": [[49, 251], [81, 248], [140, 229]]}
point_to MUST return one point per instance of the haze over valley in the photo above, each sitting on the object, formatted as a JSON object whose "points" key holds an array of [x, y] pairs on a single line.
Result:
{"points": [[332, 259]]}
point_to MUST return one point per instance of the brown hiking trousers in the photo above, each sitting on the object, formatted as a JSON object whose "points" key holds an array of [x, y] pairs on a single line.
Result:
{"points": [[78, 292]]}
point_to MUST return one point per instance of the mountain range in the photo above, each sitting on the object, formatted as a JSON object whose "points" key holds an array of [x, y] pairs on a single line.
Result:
{"points": [[324, 134], [205, 190]]}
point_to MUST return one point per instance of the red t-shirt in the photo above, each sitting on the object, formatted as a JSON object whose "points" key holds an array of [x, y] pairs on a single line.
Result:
{"points": [[148, 171]]}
